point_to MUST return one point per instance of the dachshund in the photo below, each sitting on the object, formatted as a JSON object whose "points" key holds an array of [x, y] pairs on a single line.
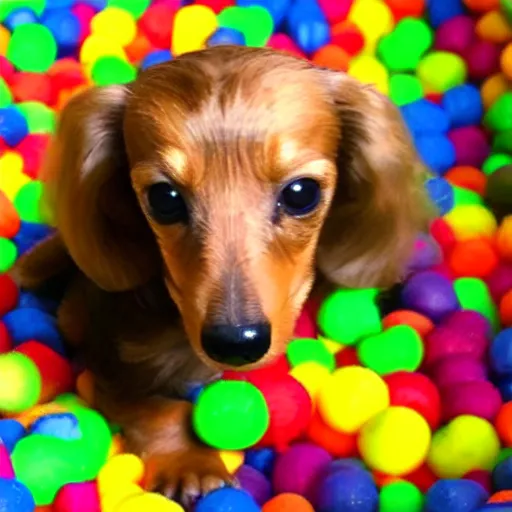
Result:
{"points": [[196, 209]]}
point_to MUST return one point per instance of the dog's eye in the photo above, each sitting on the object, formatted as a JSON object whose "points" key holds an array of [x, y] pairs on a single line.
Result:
{"points": [[300, 197], [167, 204]]}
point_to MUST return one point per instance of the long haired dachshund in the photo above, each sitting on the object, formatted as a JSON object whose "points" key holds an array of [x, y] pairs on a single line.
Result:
{"points": [[195, 209]]}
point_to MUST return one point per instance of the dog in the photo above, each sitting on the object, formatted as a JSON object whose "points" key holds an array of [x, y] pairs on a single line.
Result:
{"points": [[195, 211]]}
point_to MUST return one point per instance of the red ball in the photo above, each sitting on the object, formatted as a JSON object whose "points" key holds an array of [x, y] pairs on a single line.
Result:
{"points": [[499, 281], [66, 74], [443, 234], [473, 258], [348, 36], [6, 69], [483, 59], [8, 294], [416, 391], [290, 411], [406, 8], [156, 24], [5, 339], [27, 86], [276, 370], [423, 478], [216, 5], [306, 327], [33, 149], [55, 370], [482, 477], [347, 357], [420, 323]]}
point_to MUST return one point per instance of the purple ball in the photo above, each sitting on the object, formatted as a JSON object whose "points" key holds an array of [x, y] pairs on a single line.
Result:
{"points": [[298, 467], [426, 253], [482, 59], [499, 281], [431, 294], [455, 35], [471, 145], [255, 483], [478, 398], [471, 323], [457, 370]]}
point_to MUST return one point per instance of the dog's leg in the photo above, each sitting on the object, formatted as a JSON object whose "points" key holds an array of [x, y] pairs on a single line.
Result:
{"points": [[159, 430]]}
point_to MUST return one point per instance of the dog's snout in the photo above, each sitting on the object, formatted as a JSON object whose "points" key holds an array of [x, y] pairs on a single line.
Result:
{"points": [[236, 345]]}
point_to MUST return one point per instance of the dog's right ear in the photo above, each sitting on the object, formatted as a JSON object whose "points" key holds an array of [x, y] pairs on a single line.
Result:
{"points": [[89, 193]]}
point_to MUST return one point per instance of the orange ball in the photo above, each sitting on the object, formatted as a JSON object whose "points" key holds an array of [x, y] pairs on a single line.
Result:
{"points": [[473, 258], [482, 5], [138, 48], [9, 219], [493, 26], [506, 310], [504, 238], [503, 424], [467, 177], [420, 323], [338, 444], [500, 497], [333, 57], [506, 61], [287, 502], [406, 8], [493, 88]]}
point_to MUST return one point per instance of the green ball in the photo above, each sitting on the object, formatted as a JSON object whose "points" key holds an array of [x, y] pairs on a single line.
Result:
{"points": [[255, 23], [402, 49], [8, 254], [20, 382], [40, 118], [32, 47], [473, 294], [505, 453], [499, 116], [5, 94], [7, 6], [231, 415], [399, 348], [496, 161], [400, 497], [506, 7], [404, 89], [307, 350], [110, 70], [135, 7], [463, 196], [502, 142], [347, 316], [440, 71], [28, 202]]}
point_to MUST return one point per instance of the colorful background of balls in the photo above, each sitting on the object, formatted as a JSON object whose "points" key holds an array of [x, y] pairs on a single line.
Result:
{"points": [[398, 401]]}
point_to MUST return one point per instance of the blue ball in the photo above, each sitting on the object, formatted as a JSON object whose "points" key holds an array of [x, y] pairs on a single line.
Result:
{"points": [[348, 488], [227, 500], [463, 105], [193, 393], [62, 425], [13, 126], [441, 194], [155, 57], [20, 16], [31, 300], [505, 388], [308, 26], [502, 475], [31, 324], [500, 354], [424, 117], [59, 4], [29, 234], [455, 496], [65, 27], [437, 152], [262, 459], [226, 35], [496, 507], [439, 11], [11, 431], [15, 497], [276, 8]]}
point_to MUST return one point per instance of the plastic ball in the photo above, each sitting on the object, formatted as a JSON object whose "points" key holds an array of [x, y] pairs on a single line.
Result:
{"points": [[304, 350], [13, 126], [457, 369], [471, 221], [311, 376], [440, 71], [110, 70], [501, 353], [455, 35], [497, 116], [337, 443], [8, 294], [504, 238], [158, 33], [65, 27], [404, 89], [297, 469], [465, 444], [347, 36], [436, 151], [254, 483], [400, 497], [115, 24], [15, 496], [455, 495], [226, 35], [11, 431], [79, 497], [499, 281], [395, 441], [467, 177], [350, 397], [226, 500], [425, 118], [219, 410], [204, 21], [473, 294], [287, 502], [471, 145], [473, 258], [439, 11], [503, 424], [261, 459], [369, 70]]}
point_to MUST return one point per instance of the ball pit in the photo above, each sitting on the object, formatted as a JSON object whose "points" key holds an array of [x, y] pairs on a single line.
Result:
{"points": [[398, 410]]}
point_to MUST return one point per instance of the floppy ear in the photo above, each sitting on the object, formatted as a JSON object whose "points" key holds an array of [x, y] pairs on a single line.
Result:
{"points": [[89, 193], [379, 205]]}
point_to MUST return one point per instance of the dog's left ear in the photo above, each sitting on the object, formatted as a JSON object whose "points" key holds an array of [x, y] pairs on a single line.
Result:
{"points": [[380, 204]]}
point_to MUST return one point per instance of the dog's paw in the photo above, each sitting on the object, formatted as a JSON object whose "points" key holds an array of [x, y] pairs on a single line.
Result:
{"points": [[186, 475]]}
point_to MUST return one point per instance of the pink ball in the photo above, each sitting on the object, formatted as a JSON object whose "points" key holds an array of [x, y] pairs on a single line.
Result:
{"points": [[306, 323], [85, 13], [499, 281], [6, 69], [6, 469], [471, 145], [81, 497], [456, 370], [297, 469], [283, 42], [471, 323], [483, 59], [335, 10], [455, 35], [482, 477], [478, 398]]}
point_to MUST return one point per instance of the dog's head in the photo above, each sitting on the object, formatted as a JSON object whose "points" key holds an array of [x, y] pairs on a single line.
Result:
{"points": [[235, 173]]}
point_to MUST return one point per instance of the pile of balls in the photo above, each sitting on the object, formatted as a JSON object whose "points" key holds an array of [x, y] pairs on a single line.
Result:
{"points": [[398, 400]]}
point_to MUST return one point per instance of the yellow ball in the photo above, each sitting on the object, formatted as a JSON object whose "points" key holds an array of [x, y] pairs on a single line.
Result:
{"points": [[115, 24], [232, 460], [466, 443], [312, 376], [12, 178], [395, 441], [96, 46], [204, 21], [150, 502], [471, 221], [369, 70], [119, 471], [350, 397], [112, 498], [332, 346]]}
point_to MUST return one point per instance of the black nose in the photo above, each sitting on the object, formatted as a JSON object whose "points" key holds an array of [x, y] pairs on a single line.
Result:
{"points": [[236, 345]]}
